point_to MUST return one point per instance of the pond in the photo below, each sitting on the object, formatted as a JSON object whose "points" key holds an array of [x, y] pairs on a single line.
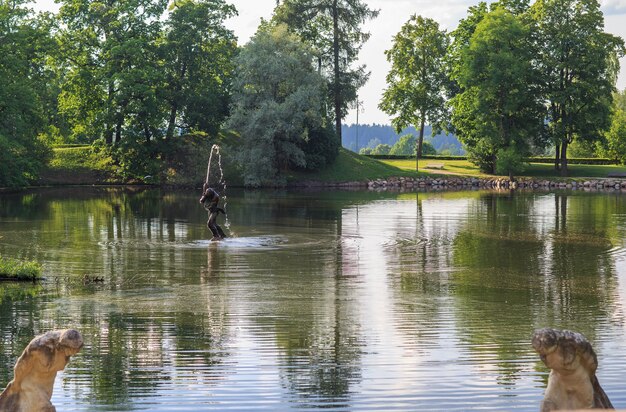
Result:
{"points": [[318, 300]]}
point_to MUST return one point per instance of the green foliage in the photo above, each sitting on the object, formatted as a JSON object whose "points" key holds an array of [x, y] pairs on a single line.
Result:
{"points": [[187, 158], [12, 269], [578, 65], [112, 73], [616, 137], [417, 79], [320, 148], [509, 162], [24, 43], [497, 107], [333, 29], [197, 52], [135, 160], [79, 158], [406, 146], [20, 164], [381, 149], [277, 105], [582, 148]]}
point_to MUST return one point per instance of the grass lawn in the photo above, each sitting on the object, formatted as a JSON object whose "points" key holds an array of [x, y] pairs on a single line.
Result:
{"points": [[76, 165], [11, 269], [350, 166], [464, 167]]}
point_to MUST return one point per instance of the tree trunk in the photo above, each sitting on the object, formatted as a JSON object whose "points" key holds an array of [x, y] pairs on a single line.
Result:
{"points": [[118, 130], [108, 138], [171, 124], [420, 143], [564, 171], [557, 158], [146, 132], [337, 72]]}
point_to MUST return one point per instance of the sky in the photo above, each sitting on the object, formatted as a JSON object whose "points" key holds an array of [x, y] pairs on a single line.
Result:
{"points": [[393, 14]]}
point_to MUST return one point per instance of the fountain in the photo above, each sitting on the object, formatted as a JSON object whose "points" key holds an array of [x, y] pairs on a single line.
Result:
{"points": [[221, 182]]}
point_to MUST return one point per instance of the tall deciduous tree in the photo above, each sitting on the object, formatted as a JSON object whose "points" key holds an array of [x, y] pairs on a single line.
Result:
{"points": [[417, 79], [112, 67], [497, 112], [198, 60], [277, 104], [578, 63], [24, 44], [334, 29]]}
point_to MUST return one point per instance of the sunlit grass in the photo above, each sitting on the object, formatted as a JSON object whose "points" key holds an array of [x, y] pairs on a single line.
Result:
{"points": [[350, 166], [12, 269], [79, 158], [465, 168]]}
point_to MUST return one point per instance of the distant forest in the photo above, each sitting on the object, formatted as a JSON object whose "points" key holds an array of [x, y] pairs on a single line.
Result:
{"points": [[371, 135]]}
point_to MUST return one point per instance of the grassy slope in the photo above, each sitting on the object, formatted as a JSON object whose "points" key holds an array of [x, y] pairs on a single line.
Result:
{"points": [[464, 167], [76, 165], [349, 167]]}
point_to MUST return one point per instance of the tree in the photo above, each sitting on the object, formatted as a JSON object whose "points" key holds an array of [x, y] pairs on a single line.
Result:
{"points": [[277, 104], [381, 149], [333, 29], [24, 44], [198, 54], [578, 64], [406, 145], [417, 79], [615, 145], [497, 109], [112, 72]]}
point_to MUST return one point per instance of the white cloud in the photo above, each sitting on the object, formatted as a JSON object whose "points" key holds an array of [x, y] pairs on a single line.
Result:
{"points": [[611, 7]]}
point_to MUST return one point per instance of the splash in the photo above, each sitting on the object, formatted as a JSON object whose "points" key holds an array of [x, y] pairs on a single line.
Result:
{"points": [[221, 182]]}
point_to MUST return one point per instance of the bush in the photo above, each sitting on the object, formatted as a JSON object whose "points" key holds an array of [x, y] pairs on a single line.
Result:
{"points": [[187, 158], [509, 162], [321, 148], [20, 165]]}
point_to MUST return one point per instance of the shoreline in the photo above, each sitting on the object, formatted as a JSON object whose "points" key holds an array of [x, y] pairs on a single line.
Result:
{"points": [[449, 182], [464, 183]]}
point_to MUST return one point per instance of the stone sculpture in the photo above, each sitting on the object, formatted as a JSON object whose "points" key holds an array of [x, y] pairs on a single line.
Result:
{"points": [[35, 371], [572, 383]]}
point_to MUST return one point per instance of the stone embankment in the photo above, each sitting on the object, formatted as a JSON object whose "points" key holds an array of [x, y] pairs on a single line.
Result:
{"points": [[495, 183]]}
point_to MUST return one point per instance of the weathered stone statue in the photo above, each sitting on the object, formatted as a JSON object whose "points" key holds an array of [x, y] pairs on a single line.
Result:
{"points": [[572, 383], [35, 371]]}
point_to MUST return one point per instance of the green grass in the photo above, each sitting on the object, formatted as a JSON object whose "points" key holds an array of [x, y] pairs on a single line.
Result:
{"points": [[77, 165], [80, 165], [78, 158], [576, 171], [458, 167], [538, 170], [12, 269], [349, 167]]}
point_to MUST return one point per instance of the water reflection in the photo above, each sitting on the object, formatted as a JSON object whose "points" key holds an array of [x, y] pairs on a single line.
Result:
{"points": [[355, 301]]}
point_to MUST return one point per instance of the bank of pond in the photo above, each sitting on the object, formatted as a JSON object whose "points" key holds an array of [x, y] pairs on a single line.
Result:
{"points": [[19, 270]]}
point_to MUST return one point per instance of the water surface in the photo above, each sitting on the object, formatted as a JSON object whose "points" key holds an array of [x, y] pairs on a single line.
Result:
{"points": [[332, 300]]}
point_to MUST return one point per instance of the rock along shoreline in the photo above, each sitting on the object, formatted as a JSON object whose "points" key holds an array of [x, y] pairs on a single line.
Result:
{"points": [[473, 183]]}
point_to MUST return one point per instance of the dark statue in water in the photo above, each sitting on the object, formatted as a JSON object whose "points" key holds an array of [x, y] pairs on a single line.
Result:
{"points": [[572, 383], [210, 199], [36, 369]]}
